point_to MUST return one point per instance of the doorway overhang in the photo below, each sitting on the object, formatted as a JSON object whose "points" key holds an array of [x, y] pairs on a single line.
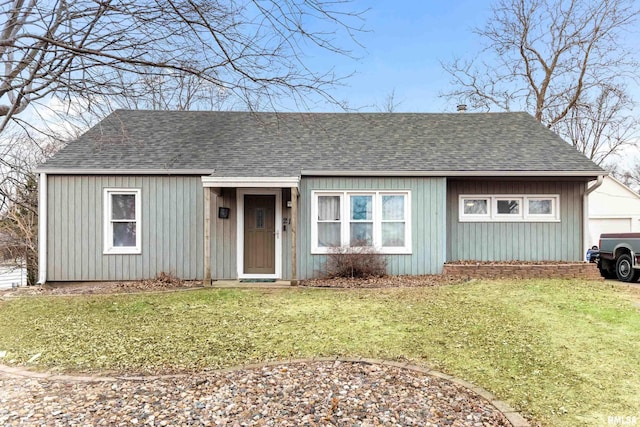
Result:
{"points": [[251, 182]]}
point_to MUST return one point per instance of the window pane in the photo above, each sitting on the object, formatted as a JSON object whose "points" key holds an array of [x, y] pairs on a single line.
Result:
{"points": [[329, 208], [328, 234], [123, 206], [361, 234], [260, 218], [509, 207], [393, 234], [124, 234], [392, 208], [475, 206], [540, 207], [361, 207]]}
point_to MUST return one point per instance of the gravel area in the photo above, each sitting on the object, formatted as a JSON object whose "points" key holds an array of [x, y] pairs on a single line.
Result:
{"points": [[318, 393]]}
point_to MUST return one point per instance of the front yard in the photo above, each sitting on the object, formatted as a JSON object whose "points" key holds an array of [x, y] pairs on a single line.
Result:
{"points": [[564, 353]]}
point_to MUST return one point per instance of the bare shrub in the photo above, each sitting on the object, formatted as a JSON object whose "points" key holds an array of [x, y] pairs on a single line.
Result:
{"points": [[355, 262]]}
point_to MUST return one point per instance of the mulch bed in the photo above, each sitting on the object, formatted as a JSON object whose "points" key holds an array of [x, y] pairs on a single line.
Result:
{"points": [[382, 282]]}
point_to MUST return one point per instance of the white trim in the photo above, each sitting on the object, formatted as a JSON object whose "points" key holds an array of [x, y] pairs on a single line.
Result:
{"points": [[377, 221], [453, 173], [42, 229], [492, 214], [77, 171], [240, 193], [108, 248], [251, 182]]}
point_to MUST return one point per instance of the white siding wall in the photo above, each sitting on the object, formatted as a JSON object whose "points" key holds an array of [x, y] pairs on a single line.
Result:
{"points": [[613, 208], [11, 277]]}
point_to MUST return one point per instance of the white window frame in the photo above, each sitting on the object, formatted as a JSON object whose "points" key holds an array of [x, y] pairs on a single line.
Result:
{"points": [[109, 249], [475, 217], [523, 216], [507, 216], [345, 219]]}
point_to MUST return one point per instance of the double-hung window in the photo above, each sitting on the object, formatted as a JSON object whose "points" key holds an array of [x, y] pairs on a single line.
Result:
{"points": [[505, 208], [122, 221], [378, 219]]}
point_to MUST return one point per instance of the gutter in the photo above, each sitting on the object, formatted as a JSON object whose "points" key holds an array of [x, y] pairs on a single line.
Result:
{"points": [[445, 173], [585, 213], [42, 229], [76, 171]]}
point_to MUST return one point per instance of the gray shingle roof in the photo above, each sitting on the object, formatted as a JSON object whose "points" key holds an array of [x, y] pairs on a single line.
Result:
{"points": [[239, 144]]}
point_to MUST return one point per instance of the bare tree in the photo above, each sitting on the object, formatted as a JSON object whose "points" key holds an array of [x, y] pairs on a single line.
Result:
{"points": [[88, 57], [174, 90], [19, 203], [390, 104], [601, 127], [564, 61], [253, 49]]}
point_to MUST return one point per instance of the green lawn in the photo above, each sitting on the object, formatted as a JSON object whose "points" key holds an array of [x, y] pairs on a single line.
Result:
{"points": [[565, 353]]}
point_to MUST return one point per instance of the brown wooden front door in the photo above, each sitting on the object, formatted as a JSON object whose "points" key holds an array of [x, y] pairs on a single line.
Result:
{"points": [[259, 234]]}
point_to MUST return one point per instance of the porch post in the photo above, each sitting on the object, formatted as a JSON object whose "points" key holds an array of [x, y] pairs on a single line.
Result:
{"points": [[294, 230], [207, 237]]}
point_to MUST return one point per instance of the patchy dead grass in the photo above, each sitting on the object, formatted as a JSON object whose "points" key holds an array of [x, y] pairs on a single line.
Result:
{"points": [[564, 352]]}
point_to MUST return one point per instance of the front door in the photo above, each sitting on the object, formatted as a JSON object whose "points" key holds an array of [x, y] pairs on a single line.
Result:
{"points": [[259, 234]]}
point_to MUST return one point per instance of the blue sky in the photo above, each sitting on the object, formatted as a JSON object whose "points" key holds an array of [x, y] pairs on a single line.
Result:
{"points": [[406, 41], [403, 48]]}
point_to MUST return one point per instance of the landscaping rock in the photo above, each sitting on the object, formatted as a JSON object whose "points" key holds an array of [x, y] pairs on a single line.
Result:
{"points": [[321, 393]]}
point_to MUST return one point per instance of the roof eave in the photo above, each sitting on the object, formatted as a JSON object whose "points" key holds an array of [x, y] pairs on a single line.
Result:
{"points": [[484, 173], [79, 171]]}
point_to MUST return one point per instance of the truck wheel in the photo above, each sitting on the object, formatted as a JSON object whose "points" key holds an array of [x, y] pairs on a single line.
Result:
{"points": [[606, 270], [624, 269]]}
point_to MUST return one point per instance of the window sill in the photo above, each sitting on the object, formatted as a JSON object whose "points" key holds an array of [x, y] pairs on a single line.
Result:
{"points": [[388, 251], [122, 251], [510, 220]]}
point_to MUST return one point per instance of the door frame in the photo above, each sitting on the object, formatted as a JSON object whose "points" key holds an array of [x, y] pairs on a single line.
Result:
{"points": [[240, 193]]}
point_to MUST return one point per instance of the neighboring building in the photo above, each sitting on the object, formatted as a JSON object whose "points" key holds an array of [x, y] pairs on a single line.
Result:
{"points": [[12, 273], [228, 195], [613, 208], [12, 277]]}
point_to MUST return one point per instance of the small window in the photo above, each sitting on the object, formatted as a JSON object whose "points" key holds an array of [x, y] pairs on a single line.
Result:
{"points": [[509, 208], [260, 213], [540, 206], [476, 206], [122, 221]]}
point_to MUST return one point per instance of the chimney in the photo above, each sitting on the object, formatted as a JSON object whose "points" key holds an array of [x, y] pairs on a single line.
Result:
{"points": [[462, 108]]}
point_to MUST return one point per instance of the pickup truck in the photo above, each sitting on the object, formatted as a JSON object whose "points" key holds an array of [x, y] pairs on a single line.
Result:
{"points": [[619, 256]]}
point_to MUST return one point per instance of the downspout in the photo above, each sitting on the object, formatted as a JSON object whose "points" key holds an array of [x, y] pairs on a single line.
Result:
{"points": [[585, 220], [42, 229]]}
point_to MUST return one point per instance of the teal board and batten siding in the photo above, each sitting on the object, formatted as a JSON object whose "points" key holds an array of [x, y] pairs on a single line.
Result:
{"points": [[521, 241], [428, 222], [171, 226]]}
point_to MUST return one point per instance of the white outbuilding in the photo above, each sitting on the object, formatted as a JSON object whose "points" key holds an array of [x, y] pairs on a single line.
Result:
{"points": [[613, 208]]}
